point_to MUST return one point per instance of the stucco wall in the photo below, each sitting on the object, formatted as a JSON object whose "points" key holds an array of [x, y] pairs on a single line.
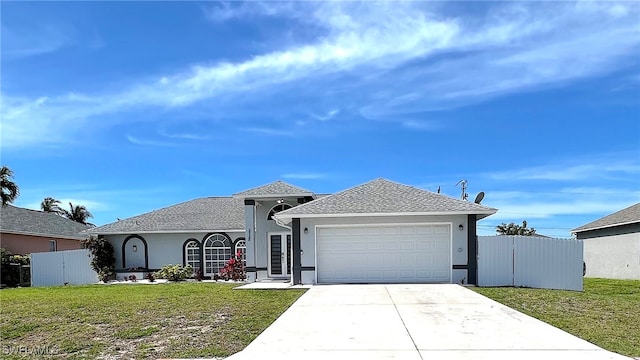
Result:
{"points": [[459, 238], [264, 227], [26, 244], [162, 249], [613, 256]]}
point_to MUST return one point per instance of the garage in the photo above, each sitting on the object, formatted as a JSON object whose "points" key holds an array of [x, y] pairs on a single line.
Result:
{"points": [[415, 253]]}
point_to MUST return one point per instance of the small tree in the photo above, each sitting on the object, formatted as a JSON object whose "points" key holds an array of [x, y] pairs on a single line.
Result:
{"points": [[514, 229], [102, 259], [234, 269]]}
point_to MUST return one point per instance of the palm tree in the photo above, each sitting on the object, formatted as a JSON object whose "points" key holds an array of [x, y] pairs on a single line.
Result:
{"points": [[8, 189], [50, 204], [77, 213]]}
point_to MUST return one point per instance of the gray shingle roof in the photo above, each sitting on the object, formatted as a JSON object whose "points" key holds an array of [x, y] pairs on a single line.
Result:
{"points": [[204, 214], [382, 196], [628, 215], [274, 189], [33, 222]]}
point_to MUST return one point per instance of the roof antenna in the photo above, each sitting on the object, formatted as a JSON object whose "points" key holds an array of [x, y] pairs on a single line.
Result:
{"points": [[463, 185]]}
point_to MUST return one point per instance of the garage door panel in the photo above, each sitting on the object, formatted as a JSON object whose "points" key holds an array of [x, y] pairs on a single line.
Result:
{"points": [[378, 254]]}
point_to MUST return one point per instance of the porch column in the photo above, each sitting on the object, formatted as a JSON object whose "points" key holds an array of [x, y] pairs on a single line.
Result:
{"points": [[295, 252], [250, 237], [472, 248]]}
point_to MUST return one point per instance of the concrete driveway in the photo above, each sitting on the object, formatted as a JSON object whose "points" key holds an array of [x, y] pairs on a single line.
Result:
{"points": [[411, 322]]}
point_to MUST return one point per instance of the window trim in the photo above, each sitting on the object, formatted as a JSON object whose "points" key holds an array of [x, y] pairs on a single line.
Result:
{"points": [[185, 253], [241, 240], [273, 211], [218, 251]]}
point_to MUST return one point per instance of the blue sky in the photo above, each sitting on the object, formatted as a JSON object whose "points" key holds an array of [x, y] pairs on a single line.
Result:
{"points": [[126, 107]]}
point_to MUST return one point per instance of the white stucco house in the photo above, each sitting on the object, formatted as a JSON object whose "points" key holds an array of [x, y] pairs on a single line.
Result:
{"points": [[377, 232], [612, 245]]}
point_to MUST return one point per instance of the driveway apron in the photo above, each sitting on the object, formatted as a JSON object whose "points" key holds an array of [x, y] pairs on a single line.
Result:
{"points": [[412, 322]]}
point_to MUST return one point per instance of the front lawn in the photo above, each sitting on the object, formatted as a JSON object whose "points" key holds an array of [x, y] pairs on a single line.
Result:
{"points": [[607, 313], [136, 321]]}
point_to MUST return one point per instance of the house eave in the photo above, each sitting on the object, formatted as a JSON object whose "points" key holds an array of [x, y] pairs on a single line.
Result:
{"points": [[274, 196], [578, 230], [134, 231], [53, 236], [288, 217]]}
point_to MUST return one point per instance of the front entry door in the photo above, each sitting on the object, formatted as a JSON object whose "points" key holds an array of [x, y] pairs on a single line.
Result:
{"points": [[279, 255]]}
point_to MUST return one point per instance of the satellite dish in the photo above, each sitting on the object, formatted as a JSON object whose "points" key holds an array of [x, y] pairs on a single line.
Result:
{"points": [[479, 197]]}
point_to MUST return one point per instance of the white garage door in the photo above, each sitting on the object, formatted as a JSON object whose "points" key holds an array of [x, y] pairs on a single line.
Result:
{"points": [[384, 254]]}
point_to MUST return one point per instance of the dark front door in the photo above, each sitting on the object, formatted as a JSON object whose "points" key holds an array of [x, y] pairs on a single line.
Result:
{"points": [[279, 254]]}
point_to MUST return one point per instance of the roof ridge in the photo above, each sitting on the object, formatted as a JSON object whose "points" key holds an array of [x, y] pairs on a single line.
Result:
{"points": [[382, 182]]}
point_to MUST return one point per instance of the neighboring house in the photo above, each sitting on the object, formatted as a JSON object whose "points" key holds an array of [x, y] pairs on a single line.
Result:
{"points": [[612, 245], [380, 231], [25, 231]]}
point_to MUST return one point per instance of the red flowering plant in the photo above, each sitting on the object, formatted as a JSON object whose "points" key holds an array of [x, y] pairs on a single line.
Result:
{"points": [[234, 269]]}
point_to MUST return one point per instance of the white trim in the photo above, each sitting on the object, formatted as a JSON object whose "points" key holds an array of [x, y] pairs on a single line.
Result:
{"points": [[274, 196], [283, 244], [63, 237], [215, 250], [283, 217], [193, 231], [604, 226], [315, 234]]}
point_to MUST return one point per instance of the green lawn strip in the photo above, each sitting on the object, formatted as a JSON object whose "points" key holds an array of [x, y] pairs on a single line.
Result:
{"points": [[606, 313], [141, 321]]}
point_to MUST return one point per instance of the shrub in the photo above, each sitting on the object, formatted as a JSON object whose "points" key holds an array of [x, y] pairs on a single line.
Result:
{"points": [[150, 277], [233, 270], [102, 260], [174, 272], [10, 268]]}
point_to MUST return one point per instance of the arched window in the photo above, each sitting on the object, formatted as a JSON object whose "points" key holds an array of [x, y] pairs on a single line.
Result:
{"points": [[241, 247], [276, 209], [192, 254], [217, 251]]}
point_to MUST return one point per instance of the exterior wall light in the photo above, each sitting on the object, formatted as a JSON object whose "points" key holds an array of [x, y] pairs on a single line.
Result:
{"points": [[306, 231], [460, 227], [135, 248]]}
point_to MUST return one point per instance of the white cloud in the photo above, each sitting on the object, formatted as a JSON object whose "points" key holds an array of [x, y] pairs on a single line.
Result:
{"points": [[35, 39], [304, 176], [555, 206], [267, 131], [147, 142], [513, 47], [595, 169], [328, 116]]}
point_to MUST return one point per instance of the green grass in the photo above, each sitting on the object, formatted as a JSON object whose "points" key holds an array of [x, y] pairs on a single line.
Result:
{"points": [[606, 313], [136, 321]]}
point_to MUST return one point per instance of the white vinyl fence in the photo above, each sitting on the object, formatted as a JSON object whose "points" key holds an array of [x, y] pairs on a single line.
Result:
{"points": [[529, 261], [62, 267]]}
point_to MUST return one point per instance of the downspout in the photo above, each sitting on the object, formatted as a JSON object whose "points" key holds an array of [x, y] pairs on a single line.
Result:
{"points": [[281, 224]]}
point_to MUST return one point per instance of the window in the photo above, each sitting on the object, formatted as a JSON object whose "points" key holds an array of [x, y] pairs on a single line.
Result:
{"points": [[192, 254], [276, 209], [217, 251], [241, 247], [53, 246]]}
